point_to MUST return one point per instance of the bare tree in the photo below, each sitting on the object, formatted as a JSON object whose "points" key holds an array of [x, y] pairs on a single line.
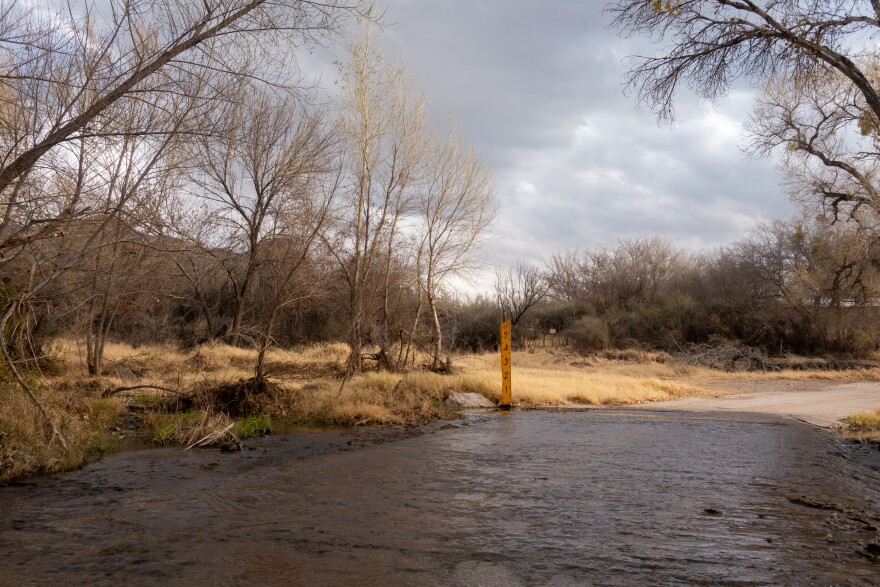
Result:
{"points": [[820, 107], [710, 43], [204, 280], [69, 76], [456, 209], [382, 120], [73, 67], [518, 289], [567, 276], [291, 251], [828, 141], [255, 178], [633, 271]]}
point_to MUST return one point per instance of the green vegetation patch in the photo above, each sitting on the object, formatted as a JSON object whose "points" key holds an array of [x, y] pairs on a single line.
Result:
{"points": [[165, 429], [252, 426]]}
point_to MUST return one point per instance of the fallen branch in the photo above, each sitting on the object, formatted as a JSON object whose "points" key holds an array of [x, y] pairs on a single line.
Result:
{"points": [[727, 357], [116, 390]]}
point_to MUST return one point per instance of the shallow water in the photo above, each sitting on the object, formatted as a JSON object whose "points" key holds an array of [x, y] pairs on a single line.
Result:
{"points": [[534, 498]]}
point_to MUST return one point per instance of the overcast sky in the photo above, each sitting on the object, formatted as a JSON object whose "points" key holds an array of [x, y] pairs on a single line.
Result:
{"points": [[537, 87]]}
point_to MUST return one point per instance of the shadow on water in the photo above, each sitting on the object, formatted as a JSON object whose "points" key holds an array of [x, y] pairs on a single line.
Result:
{"points": [[533, 498]]}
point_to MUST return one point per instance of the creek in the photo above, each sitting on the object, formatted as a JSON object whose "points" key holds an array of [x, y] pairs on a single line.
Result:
{"points": [[605, 497]]}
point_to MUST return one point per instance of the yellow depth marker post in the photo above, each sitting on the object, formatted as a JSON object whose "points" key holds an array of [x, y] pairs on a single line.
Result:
{"points": [[505, 365]]}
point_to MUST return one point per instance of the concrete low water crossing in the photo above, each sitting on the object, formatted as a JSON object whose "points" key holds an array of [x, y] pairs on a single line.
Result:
{"points": [[605, 497]]}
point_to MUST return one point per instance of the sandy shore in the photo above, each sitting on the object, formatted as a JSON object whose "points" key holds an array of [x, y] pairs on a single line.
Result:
{"points": [[821, 403]]}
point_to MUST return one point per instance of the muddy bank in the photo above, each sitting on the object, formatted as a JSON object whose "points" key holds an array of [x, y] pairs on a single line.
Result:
{"points": [[601, 497]]}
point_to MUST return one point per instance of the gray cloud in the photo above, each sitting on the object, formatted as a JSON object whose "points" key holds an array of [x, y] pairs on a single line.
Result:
{"points": [[538, 88]]}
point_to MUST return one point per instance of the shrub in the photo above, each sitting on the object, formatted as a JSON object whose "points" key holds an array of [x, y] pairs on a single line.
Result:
{"points": [[589, 334]]}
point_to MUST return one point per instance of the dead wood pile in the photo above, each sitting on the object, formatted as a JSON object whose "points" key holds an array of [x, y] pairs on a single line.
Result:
{"points": [[726, 357]]}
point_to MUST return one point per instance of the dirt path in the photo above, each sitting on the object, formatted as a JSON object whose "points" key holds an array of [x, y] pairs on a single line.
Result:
{"points": [[821, 403]]}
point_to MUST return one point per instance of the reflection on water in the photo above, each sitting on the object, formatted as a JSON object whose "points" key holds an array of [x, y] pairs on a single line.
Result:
{"points": [[872, 436], [527, 498]]}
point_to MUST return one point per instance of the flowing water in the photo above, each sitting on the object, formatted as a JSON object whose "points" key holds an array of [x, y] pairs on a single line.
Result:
{"points": [[532, 498]]}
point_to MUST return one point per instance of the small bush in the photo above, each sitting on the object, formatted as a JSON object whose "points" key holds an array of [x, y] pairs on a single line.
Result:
{"points": [[246, 397], [861, 344], [589, 334]]}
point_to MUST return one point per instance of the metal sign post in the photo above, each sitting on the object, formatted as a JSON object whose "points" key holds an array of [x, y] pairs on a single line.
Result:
{"points": [[505, 365]]}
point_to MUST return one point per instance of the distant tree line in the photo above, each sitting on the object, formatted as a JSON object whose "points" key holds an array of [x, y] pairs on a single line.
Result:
{"points": [[797, 286]]}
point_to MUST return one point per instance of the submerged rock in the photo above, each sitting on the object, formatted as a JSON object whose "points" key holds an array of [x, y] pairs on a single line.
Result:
{"points": [[231, 446]]}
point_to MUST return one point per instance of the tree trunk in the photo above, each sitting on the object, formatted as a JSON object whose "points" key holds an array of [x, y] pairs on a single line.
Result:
{"points": [[234, 331], [412, 334], [356, 343], [436, 363], [265, 339]]}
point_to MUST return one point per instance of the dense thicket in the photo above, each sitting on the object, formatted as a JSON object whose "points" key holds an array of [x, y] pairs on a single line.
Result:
{"points": [[799, 287]]}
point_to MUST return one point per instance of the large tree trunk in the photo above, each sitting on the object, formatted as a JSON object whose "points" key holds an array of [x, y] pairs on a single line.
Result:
{"points": [[234, 332], [412, 334]]}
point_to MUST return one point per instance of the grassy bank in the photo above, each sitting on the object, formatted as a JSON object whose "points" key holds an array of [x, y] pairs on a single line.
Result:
{"points": [[174, 393], [27, 445], [863, 426]]}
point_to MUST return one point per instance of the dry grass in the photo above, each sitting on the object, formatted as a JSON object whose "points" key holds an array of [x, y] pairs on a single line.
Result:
{"points": [[843, 376], [26, 444], [189, 428], [560, 378], [212, 363], [864, 421], [622, 377], [378, 398], [309, 379]]}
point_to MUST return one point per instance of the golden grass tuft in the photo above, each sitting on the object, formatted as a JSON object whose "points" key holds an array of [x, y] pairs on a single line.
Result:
{"points": [[863, 421]]}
